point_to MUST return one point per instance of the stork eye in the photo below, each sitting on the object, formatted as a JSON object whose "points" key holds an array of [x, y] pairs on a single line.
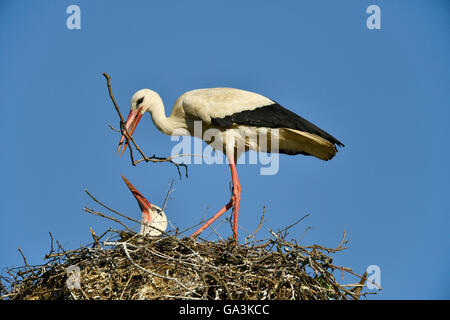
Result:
{"points": [[139, 101]]}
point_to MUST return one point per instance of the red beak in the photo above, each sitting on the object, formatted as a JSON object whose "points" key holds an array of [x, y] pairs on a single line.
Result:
{"points": [[142, 201], [132, 121]]}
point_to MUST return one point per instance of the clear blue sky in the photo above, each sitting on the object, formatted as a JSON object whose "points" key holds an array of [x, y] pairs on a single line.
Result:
{"points": [[384, 93]]}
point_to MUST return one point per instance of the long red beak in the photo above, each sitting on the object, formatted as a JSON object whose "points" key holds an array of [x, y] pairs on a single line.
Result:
{"points": [[132, 121], [144, 204]]}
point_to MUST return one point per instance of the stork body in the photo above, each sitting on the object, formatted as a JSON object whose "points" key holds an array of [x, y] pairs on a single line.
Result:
{"points": [[236, 114]]}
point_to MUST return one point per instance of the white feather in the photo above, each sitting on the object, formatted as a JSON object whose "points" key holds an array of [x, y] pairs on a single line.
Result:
{"points": [[157, 223], [220, 102]]}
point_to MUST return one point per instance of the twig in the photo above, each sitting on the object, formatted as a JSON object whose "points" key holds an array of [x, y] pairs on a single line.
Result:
{"points": [[60, 246], [73, 295], [290, 226], [103, 234], [343, 241], [304, 233], [114, 129], [84, 294], [219, 281], [218, 235], [168, 194], [23, 257], [94, 236], [112, 210], [111, 95], [129, 137], [124, 246], [86, 209], [51, 242], [360, 285], [60, 254], [126, 286], [258, 227]]}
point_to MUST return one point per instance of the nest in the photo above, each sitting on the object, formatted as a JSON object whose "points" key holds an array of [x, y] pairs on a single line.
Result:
{"points": [[126, 265], [130, 266]]}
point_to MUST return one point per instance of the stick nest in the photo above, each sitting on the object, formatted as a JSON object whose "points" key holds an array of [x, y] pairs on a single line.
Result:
{"points": [[130, 266]]}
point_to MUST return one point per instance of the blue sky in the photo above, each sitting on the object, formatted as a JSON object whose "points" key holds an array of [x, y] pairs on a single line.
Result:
{"points": [[384, 93]]}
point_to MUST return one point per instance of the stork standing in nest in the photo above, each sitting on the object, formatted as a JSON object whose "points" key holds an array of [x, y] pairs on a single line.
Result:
{"points": [[236, 114]]}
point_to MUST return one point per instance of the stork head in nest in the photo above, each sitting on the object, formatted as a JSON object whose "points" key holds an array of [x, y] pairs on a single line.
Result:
{"points": [[154, 220]]}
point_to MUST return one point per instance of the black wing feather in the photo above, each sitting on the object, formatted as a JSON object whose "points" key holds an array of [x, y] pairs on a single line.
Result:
{"points": [[273, 116]]}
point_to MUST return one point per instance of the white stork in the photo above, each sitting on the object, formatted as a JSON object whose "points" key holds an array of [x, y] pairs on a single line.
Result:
{"points": [[235, 113], [153, 219]]}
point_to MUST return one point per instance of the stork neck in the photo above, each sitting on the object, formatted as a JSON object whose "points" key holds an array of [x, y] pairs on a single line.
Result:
{"points": [[163, 123]]}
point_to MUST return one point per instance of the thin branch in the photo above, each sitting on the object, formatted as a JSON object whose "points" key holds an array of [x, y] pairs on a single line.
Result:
{"points": [[129, 137], [111, 95], [168, 194], [124, 246], [258, 227], [112, 210], [51, 242], [60, 254], [343, 242], [114, 129], [60, 246], [86, 209], [23, 257], [296, 222], [126, 286], [94, 236], [360, 285]]}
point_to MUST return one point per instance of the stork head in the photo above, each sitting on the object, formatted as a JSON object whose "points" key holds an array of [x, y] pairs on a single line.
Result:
{"points": [[141, 102], [153, 217]]}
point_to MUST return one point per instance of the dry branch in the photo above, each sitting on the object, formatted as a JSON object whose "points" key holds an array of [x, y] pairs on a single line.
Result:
{"points": [[123, 130], [129, 266], [126, 265]]}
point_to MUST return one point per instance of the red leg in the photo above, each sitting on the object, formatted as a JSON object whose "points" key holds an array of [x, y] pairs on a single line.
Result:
{"points": [[235, 199], [214, 218]]}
